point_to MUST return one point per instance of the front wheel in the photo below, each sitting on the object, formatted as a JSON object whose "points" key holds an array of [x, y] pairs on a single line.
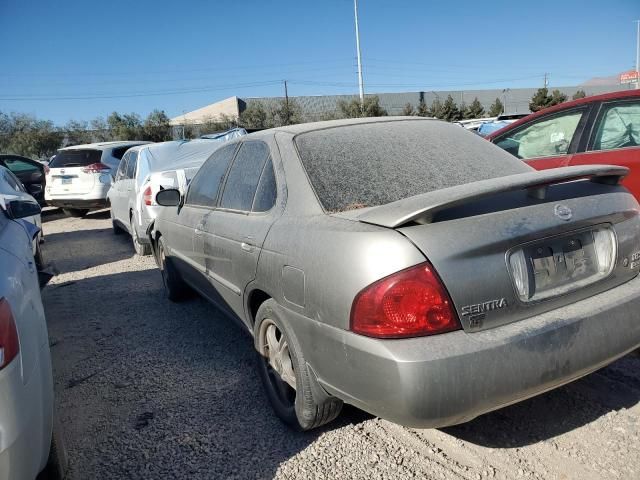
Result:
{"points": [[294, 393], [174, 287], [58, 458]]}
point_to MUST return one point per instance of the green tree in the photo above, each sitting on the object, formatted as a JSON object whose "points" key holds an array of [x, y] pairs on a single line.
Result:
{"points": [[423, 109], [254, 116], [125, 127], [557, 97], [77, 133], [496, 108], [219, 124], [579, 94], [474, 110], [450, 111], [285, 112], [100, 131], [26, 135], [157, 127], [370, 108], [436, 109], [408, 110], [541, 99]]}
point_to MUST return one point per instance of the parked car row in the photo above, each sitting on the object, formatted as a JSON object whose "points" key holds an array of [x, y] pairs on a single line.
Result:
{"points": [[405, 266]]}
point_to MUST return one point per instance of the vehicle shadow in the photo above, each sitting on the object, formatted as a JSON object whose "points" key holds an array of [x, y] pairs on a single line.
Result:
{"points": [[559, 411], [150, 388], [49, 214], [76, 250]]}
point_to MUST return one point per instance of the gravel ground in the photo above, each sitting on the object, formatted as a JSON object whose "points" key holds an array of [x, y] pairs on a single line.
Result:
{"points": [[150, 389]]}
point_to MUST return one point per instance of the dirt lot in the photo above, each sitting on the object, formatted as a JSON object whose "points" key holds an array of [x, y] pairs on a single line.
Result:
{"points": [[151, 389]]}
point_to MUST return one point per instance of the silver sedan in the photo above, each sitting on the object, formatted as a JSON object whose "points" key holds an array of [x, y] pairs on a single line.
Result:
{"points": [[406, 266]]}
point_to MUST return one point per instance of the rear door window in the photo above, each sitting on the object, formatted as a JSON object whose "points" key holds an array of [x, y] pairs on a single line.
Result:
{"points": [[242, 181], [131, 164], [18, 166], [203, 189], [545, 138], [618, 126], [122, 168], [119, 152], [266, 193], [75, 158]]}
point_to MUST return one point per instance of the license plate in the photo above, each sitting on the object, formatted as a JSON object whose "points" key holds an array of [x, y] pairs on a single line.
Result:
{"points": [[562, 264], [66, 181]]}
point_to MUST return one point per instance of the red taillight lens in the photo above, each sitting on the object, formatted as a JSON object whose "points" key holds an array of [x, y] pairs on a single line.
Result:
{"points": [[9, 346], [147, 196], [410, 303], [96, 168]]}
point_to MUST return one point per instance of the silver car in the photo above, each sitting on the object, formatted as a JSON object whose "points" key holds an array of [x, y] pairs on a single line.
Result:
{"points": [[406, 266], [30, 441], [143, 172]]}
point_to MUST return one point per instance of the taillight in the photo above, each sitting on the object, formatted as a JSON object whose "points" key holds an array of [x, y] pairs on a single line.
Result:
{"points": [[9, 346], [96, 168], [409, 303], [146, 195]]}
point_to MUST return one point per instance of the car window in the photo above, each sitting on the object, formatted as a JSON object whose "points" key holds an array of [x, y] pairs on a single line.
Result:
{"points": [[203, 189], [20, 166], [546, 138], [143, 169], [13, 182], [122, 168], [75, 158], [267, 191], [242, 181], [618, 126], [120, 151], [131, 165]]}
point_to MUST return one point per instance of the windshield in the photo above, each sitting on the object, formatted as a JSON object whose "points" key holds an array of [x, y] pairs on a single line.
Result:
{"points": [[75, 158], [365, 165]]}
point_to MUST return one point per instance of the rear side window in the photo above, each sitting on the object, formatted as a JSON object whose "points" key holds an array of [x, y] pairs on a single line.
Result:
{"points": [[546, 138], [242, 181], [365, 165], [122, 168], [131, 165], [267, 191], [203, 190], [119, 152], [13, 182], [618, 126], [18, 166], [75, 158]]}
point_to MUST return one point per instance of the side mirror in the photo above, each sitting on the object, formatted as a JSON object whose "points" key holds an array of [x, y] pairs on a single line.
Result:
{"points": [[22, 208], [169, 197]]}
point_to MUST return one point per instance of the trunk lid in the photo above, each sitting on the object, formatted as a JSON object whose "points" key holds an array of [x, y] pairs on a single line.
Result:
{"points": [[66, 172], [561, 230]]}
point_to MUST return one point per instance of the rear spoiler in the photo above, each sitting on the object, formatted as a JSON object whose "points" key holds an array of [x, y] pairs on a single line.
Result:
{"points": [[422, 207]]}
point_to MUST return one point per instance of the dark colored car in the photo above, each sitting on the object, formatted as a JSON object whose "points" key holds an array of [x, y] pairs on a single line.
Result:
{"points": [[603, 129], [30, 172]]}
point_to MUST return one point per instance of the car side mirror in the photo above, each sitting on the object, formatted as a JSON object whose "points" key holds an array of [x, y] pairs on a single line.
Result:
{"points": [[169, 197], [22, 208]]}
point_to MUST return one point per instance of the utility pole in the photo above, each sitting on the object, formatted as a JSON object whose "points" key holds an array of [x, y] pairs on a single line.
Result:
{"points": [[361, 85], [638, 54], [546, 79], [286, 103]]}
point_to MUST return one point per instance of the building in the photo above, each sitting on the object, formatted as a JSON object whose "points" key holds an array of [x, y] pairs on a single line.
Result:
{"points": [[515, 100]]}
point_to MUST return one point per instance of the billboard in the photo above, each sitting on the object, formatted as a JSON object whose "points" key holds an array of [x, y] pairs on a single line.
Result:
{"points": [[629, 77]]}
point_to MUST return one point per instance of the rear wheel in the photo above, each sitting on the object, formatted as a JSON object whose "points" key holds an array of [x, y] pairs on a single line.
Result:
{"points": [[117, 230], [141, 249], [58, 459], [75, 212], [174, 287], [292, 389]]}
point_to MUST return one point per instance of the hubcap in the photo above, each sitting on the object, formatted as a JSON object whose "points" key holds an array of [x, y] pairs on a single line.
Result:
{"points": [[275, 350]]}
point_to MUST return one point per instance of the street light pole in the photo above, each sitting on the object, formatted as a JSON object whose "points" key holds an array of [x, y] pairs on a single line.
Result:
{"points": [[360, 83], [638, 54]]}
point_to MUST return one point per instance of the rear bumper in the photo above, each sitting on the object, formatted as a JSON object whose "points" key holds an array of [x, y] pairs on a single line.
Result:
{"points": [[452, 378], [77, 203]]}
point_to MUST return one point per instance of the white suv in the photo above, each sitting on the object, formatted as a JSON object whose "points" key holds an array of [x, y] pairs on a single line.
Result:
{"points": [[79, 177]]}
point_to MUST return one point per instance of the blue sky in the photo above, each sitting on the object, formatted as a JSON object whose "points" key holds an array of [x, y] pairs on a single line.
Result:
{"points": [[138, 55]]}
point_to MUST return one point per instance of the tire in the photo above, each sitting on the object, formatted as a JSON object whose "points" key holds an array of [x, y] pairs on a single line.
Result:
{"points": [[75, 212], [174, 287], [58, 461], [141, 249], [117, 230], [38, 257], [307, 406]]}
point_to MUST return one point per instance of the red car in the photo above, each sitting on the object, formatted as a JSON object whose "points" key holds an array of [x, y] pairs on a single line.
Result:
{"points": [[603, 129]]}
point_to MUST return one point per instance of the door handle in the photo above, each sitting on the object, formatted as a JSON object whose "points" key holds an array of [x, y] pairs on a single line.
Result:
{"points": [[247, 247]]}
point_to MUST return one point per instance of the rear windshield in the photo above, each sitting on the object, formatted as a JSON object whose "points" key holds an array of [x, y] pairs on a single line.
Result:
{"points": [[76, 158], [366, 165]]}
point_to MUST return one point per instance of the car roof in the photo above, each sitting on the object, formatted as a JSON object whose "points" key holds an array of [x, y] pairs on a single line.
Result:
{"points": [[566, 105], [104, 145]]}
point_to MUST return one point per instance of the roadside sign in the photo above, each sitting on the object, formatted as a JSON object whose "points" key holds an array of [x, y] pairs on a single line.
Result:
{"points": [[629, 77]]}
